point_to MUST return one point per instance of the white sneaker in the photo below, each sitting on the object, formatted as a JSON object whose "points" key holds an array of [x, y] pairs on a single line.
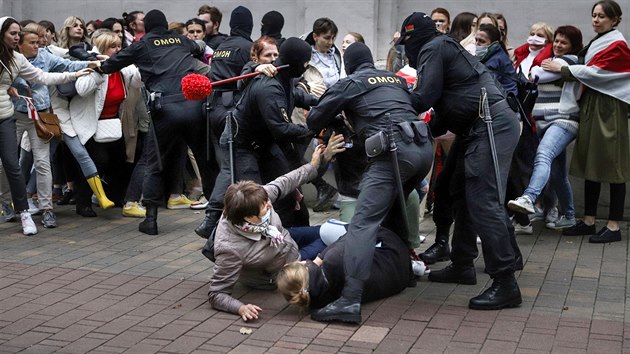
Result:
{"points": [[32, 207], [523, 230], [552, 215], [522, 204], [419, 268], [200, 204], [28, 225]]}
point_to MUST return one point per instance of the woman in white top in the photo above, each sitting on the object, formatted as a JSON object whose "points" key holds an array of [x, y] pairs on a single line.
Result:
{"points": [[14, 64]]}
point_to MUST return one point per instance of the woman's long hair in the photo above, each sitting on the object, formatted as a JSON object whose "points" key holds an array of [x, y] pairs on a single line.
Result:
{"points": [[6, 53], [64, 37]]}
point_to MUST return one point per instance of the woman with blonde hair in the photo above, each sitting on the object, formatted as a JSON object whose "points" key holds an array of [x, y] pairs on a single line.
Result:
{"points": [[315, 284], [99, 101], [73, 32], [537, 48]]}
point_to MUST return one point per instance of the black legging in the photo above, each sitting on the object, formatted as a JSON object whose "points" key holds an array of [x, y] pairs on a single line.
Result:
{"points": [[617, 198]]}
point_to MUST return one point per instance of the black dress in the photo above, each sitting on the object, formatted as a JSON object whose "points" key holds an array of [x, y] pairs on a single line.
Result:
{"points": [[391, 271]]}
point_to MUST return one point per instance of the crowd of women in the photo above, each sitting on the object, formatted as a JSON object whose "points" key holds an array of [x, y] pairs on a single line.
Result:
{"points": [[583, 95]]}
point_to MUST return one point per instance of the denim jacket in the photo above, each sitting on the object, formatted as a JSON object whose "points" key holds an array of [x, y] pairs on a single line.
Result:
{"points": [[48, 62]]}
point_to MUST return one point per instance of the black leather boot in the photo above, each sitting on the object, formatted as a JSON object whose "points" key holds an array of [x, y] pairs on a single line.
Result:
{"points": [[347, 308], [204, 230], [326, 197], [454, 273], [503, 292], [438, 252], [149, 224], [86, 211]]}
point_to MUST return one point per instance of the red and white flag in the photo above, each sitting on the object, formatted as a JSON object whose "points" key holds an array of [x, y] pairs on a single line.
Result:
{"points": [[607, 68], [32, 111]]}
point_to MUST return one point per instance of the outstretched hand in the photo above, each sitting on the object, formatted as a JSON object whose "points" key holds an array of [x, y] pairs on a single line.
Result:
{"points": [[249, 312], [335, 146], [83, 72]]}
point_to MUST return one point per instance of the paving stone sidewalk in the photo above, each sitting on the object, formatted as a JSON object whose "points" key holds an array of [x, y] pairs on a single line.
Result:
{"points": [[98, 285]]}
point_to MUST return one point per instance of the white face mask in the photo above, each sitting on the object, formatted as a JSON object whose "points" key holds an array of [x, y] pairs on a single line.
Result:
{"points": [[536, 40]]}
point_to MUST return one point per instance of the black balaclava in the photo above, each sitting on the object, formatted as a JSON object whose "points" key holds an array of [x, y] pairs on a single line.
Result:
{"points": [[241, 23], [155, 19], [296, 53], [357, 54], [272, 24], [422, 31]]}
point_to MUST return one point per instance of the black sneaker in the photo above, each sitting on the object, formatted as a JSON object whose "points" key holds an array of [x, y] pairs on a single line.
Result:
{"points": [[605, 235], [579, 229], [8, 212], [67, 198]]}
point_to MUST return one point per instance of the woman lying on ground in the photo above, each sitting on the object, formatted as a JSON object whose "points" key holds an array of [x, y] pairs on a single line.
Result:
{"points": [[315, 284]]}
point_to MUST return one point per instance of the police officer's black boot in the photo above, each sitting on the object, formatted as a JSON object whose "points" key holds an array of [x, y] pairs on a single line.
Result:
{"points": [[438, 252], [503, 292], [326, 195], [204, 230], [347, 308], [149, 224], [455, 273]]}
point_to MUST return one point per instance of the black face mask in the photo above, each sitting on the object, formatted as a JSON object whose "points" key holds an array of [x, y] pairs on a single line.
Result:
{"points": [[356, 55], [272, 24], [154, 20], [241, 23], [414, 44], [296, 53]]}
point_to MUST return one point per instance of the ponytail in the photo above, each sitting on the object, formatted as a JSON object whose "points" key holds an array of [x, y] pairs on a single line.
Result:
{"points": [[293, 284]]}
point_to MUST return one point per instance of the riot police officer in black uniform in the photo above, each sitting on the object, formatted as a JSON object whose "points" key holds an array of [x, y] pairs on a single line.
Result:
{"points": [[451, 80], [374, 102], [260, 124], [227, 61], [164, 58]]}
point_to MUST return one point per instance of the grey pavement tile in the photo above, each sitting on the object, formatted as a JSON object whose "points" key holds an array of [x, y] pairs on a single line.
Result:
{"points": [[104, 287]]}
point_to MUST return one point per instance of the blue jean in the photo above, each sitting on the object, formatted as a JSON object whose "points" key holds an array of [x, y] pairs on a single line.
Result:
{"points": [[81, 155], [551, 162], [308, 240]]}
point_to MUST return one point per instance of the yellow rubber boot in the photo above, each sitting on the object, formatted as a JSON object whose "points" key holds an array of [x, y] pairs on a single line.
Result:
{"points": [[97, 188]]}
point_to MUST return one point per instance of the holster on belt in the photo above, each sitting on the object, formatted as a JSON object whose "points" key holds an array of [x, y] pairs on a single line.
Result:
{"points": [[416, 131]]}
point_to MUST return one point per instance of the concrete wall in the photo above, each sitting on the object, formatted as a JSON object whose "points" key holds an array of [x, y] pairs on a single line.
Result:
{"points": [[375, 19]]}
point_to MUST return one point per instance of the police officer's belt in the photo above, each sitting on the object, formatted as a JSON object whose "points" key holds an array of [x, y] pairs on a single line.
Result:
{"points": [[499, 107], [177, 97]]}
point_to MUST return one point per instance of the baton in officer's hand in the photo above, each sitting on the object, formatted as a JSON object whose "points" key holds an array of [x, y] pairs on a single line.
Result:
{"points": [[197, 87]]}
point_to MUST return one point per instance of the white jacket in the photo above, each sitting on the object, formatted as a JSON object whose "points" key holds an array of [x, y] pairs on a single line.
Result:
{"points": [[86, 107], [28, 72]]}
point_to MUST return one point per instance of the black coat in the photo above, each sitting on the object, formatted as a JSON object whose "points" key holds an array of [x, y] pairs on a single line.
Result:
{"points": [[365, 97], [163, 58], [263, 113], [228, 60], [391, 271], [450, 81]]}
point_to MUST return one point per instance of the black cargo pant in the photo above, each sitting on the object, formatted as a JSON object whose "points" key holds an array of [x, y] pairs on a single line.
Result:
{"points": [[478, 210], [177, 120], [377, 195]]}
